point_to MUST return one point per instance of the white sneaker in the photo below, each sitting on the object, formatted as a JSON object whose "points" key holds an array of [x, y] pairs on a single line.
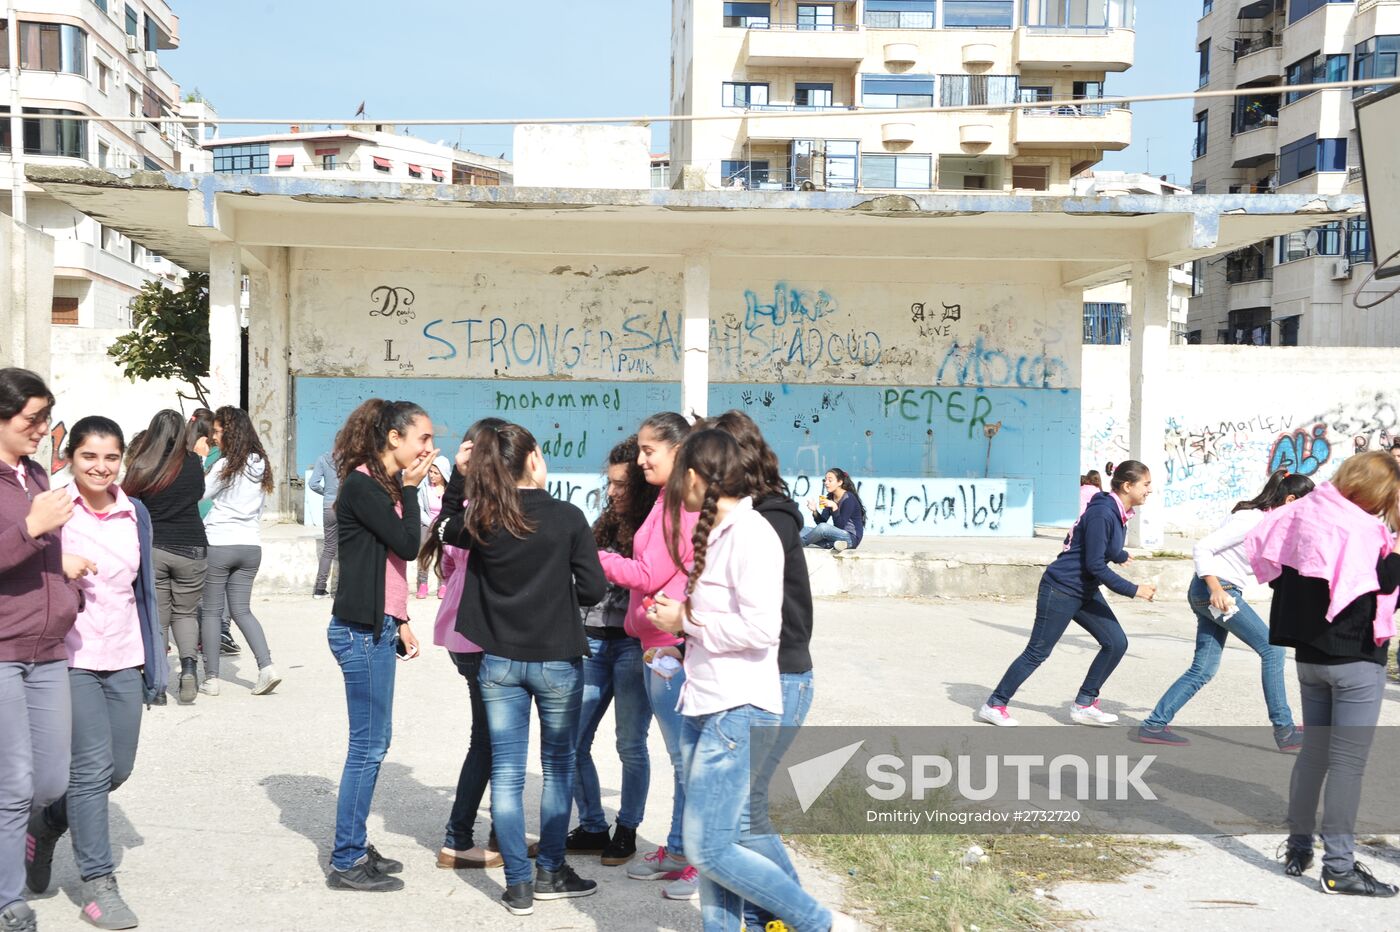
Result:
{"points": [[684, 886], [210, 686], [656, 866], [997, 715], [839, 546], [268, 678], [1091, 714]]}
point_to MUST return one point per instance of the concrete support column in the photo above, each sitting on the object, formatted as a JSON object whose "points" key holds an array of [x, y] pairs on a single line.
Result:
{"points": [[225, 332], [26, 297], [18, 208], [269, 389], [695, 357], [1147, 388]]}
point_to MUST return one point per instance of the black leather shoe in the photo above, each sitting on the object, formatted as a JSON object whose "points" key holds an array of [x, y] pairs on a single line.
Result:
{"points": [[519, 898], [160, 699], [382, 864], [189, 682], [1356, 882], [364, 877], [561, 884], [1296, 861], [582, 841], [622, 847]]}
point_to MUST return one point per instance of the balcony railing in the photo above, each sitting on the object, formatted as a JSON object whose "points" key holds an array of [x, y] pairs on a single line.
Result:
{"points": [[1241, 275], [1068, 30], [1353, 173], [1251, 44], [804, 27], [1095, 109], [783, 108]]}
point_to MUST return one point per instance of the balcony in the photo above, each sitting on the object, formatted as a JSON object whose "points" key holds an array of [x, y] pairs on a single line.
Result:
{"points": [[1260, 64], [1255, 147], [1088, 48], [818, 123], [787, 44], [1081, 126], [901, 53], [1258, 292], [977, 54], [898, 133]]}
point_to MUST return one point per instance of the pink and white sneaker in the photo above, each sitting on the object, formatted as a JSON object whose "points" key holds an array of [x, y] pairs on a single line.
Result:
{"points": [[682, 886], [997, 715], [1091, 714]]}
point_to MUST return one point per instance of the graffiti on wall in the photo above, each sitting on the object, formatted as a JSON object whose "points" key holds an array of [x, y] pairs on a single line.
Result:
{"points": [[1304, 451], [981, 364]]}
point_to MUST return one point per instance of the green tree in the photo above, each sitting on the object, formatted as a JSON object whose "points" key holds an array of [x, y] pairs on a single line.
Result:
{"points": [[170, 336]]}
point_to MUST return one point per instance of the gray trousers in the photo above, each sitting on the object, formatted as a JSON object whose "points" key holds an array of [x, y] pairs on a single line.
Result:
{"points": [[230, 576], [106, 728], [35, 718], [329, 545], [179, 583], [1341, 706]]}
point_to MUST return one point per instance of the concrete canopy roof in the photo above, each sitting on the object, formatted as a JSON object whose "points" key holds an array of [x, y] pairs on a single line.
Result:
{"points": [[1094, 239]]}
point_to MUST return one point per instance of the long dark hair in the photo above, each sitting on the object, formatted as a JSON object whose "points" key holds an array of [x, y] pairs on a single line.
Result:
{"points": [[1093, 478], [200, 427], [157, 460], [240, 441], [1280, 485], [17, 386], [365, 436], [715, 457], [667, 425], [759, 459], [1128, 472], [500, 456], [94, 425], [617, 525], [431, 553], [844, 478]]}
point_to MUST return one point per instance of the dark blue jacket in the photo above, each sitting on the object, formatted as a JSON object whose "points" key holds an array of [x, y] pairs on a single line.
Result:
{"points": [[846, 517], [156, 671], [1095, 542]]}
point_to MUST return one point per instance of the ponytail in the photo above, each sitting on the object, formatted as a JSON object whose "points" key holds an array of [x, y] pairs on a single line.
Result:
{"points": [[365, 436], [500, 457]]}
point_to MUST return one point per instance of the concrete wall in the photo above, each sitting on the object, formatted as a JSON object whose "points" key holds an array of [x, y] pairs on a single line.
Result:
{"points": [[1238, 413], [26, 296], [585, 156]]}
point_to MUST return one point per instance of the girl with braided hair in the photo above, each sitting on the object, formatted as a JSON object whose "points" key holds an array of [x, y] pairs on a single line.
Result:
{"points": [[731, 623]]}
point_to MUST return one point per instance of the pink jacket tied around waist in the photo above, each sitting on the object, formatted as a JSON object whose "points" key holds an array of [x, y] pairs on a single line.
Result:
{"points": [[1326, 537]]}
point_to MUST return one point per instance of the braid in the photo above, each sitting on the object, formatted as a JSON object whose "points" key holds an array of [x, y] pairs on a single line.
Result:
{"points": [[700, 542]]}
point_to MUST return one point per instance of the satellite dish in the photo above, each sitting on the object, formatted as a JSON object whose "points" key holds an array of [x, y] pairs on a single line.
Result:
{"points": [[1311, 239], [1378, 129]]}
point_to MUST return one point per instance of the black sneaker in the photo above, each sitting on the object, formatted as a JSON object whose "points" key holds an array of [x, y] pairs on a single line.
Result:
{"points": [[228, 647], [364, 877], [562, 884], [1357, 882], [519, 898], [38, 852], [1290, 738], [1146, 734], [1296, 861], [382, 864], [160, 698], [18, 917], [189, 681], [622, 847], [582, 841]]}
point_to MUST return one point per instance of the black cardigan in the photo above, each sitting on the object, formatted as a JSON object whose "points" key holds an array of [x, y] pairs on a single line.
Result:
{"points": [[174, 510], [367, 529], [794, 644], [1298, 618], [522, 596]]}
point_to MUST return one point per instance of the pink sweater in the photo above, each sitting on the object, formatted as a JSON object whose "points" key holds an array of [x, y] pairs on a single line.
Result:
{"points": [[454, 571], [1327, 537], [650, 570]]}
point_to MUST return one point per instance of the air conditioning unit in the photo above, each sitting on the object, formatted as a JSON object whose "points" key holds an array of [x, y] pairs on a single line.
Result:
{"points": [[132, 44], [1341, 269], [152, 61]]}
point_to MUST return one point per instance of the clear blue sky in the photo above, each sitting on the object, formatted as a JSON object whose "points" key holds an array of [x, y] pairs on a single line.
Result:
{"points": [[435, 58]]}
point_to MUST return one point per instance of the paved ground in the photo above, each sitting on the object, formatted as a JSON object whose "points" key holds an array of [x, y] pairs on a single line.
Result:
{"points": [[227, 821]]}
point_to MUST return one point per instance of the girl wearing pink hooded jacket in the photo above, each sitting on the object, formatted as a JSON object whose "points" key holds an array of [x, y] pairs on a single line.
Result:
{"points": [[652, 569]]}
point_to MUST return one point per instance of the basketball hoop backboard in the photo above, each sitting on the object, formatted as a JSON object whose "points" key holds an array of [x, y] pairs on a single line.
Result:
{"points": [[1378, 130]]}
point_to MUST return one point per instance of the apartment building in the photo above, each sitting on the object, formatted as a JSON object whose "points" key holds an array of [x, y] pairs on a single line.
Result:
{"points": [[367, 152], [1297, 289], [102, 58], [842, 64]]}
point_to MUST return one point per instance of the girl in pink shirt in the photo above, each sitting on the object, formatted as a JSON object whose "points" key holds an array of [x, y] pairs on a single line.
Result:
{"points": [[117, 634]]}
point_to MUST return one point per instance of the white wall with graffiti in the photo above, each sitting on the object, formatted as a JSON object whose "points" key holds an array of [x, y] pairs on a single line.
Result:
{"points": [[1237, 413]]}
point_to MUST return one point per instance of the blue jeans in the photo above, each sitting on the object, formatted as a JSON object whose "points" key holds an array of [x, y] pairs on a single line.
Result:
{"points": [[1210, 642], [664, 695], [507, 687], [797, 701], [368, 666], [824, 536], [476, 766], [614, 675], [716, 752], [1054, 610]]}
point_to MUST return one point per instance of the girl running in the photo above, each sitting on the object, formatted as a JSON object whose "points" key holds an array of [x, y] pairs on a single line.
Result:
{"points": [[1069, 591], [1217, 598], [615, 675], [429, 507], [116, 657], [732, 622], [237, 485], [39, 602], [533, 564], [168, 478], [1340, 632], [653, 568], [839, 514], [382, 454]]}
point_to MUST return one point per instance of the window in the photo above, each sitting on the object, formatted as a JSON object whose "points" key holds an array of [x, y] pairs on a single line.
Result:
{"points": [[4, 44], [65, 311], [133, 21], [1198, 278], [104, 78], [743, 94], [902, 90], [897, 171], [1310, 154], [737, 173], [1207, 6], [1326, 240], [1079, 14], [249, 159], [1198, 149], [103, 151], [974, 89], [152, 34], [1315, 69], [1254, 111], [328, 163], [812, 95], [977, 14], [1376, 58], [964, 173], [415, 171], [53, 47], [1103, 323], [821, 18], [101, 5], [900, 14], [746, 15], [1359, 239], [58, 138], [381, 164], [133, 101], [1203, 51], [841, 158], [1297, 9], [1031, 177]]}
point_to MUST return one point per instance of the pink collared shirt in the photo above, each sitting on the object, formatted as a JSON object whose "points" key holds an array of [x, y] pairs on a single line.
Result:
{"points": [[107, 634], [1124, 512]]}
